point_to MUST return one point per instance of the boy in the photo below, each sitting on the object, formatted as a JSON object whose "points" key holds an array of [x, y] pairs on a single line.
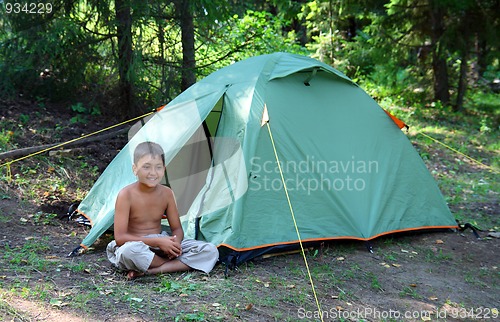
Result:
{"points": [[140, 247]]}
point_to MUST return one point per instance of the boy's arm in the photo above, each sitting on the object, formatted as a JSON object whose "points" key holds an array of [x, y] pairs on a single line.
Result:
{"points": [[173, 217], [122, 213]]}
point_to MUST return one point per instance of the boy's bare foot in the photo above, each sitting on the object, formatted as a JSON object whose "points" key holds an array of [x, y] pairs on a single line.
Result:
{"points": [[133, 274]]}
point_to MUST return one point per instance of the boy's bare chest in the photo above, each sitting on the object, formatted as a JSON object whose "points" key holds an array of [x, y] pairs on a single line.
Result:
{"points": [[146, 210], [148, 206]]}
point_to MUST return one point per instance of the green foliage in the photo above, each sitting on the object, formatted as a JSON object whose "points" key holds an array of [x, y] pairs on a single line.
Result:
{"points": [[387, 46], [5, 138], [44, 218], [184, 286], [43, 55], [72, 52], [410, 292], [83, 112], [253, 33], [375, 283], [199, 316]]}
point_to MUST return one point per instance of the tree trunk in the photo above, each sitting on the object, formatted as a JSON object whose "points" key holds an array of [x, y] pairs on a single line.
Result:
{"points": [[441, 86], [124, 37], [462, 82], [187, 37], [439, 65], [161, 40], [482, 52]]}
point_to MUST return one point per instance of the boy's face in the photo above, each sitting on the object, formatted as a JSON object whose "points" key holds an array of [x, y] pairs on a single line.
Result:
{"points": [[149, 170]]}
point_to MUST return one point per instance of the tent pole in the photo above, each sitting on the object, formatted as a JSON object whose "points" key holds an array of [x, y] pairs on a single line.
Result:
{"points": [[210, 149]]}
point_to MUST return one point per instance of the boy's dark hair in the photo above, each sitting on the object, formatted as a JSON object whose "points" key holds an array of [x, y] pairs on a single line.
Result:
{"points": [[148, 148]]}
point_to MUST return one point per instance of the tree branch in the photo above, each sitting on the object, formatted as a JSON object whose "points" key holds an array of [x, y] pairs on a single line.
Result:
{"points": [[27, 151]]}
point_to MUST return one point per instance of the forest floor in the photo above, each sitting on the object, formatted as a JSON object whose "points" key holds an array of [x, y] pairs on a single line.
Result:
{"points": [[425, 276]]}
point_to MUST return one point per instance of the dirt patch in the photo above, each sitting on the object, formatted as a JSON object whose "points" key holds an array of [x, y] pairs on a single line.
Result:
{"points": [[42, 313], [445, 275]]}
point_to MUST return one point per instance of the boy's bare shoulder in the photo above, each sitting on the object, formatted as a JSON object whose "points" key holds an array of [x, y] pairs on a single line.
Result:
{"points": [[128, 188], [128, 191], [166, 190]]}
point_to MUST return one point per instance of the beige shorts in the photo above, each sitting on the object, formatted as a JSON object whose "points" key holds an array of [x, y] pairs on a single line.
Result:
{"points": [[137, 256]]}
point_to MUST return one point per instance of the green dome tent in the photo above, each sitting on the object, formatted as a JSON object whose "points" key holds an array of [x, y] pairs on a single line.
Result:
{"points": [[349, 170]]}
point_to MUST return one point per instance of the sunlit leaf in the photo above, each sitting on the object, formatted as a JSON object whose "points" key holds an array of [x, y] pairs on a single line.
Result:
{"points": [[57, 302], [136, 299]]}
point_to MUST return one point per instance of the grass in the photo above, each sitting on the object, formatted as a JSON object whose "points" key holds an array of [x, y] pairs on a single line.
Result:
{"points": [[463, 181], [410, 292], [432, 255], [216, 298], [375, 283], [29, 255], [44, 180]]}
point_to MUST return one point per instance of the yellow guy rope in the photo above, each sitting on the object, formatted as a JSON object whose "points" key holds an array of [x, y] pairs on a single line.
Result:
{"points": [[455, 150], [294, 221], [7, 164]]}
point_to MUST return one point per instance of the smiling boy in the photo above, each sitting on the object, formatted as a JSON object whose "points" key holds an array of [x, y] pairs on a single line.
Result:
{"points": [[140, 247]]}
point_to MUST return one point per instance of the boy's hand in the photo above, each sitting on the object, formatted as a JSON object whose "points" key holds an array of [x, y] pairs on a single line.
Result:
{"points": [[171, 247]]}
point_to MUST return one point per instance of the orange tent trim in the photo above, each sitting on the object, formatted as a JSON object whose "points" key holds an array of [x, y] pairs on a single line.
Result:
{"points": [[398, 122], [336, 238], [84, 215]]}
